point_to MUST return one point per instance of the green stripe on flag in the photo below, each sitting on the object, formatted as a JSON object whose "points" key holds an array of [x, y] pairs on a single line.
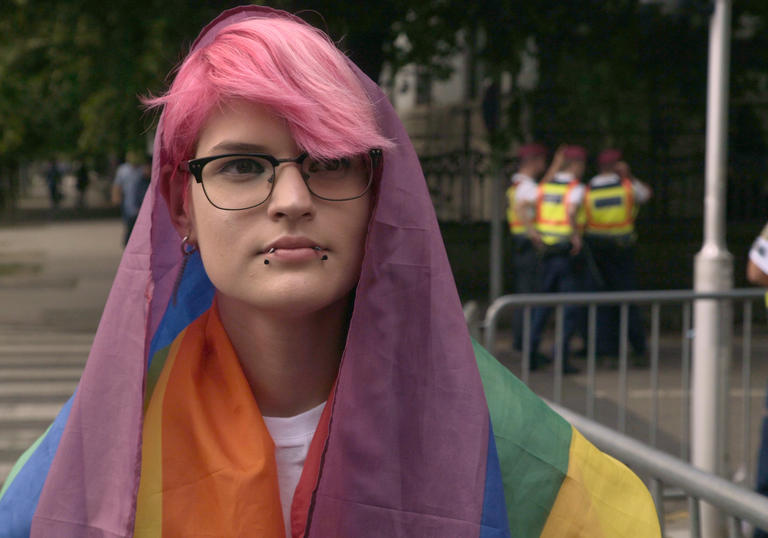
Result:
{"points": [[533, 443], [158, 361], [22, 461]]}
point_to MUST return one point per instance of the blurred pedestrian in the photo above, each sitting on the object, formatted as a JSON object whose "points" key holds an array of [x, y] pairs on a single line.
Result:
{"points": [[53, 181], [128, 191], [557, 238], [757, 273], [521, 216], [612, 200], [82, 182]]}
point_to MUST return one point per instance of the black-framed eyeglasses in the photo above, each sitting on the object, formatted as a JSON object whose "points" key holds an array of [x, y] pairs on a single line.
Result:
{"points": [[236, 181]]}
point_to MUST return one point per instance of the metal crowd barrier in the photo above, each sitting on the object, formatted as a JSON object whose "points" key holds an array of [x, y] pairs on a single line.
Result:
{"points": [[646, 456]]}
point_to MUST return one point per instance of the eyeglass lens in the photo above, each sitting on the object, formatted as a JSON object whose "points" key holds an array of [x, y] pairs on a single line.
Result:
{"points": [[242, 181]]}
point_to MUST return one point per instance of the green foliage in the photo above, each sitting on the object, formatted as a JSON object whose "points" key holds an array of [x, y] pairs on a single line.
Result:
{"points": [[72, 71]]}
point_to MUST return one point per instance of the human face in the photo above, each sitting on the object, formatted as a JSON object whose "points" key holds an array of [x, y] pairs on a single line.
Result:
{"points": [[539, 166], [578, 168], [234, 245]]}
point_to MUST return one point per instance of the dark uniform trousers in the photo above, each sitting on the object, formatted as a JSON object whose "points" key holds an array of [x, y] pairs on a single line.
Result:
{"points": [[559, 272], [762, 466], [615, 261], [525, 266]]}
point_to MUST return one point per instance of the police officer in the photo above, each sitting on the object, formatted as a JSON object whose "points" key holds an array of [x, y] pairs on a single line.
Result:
{"points": [[757, 273], [521, 209], [558, 241], [611, 202]]}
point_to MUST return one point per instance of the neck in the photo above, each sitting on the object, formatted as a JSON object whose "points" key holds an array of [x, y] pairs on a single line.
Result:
{"points": [[570, 170], [290, 362]]}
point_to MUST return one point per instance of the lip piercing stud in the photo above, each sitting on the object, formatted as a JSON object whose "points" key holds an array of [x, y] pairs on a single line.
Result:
{"points": [[325, 257], [317, 248], [271, 251], [266, 262]]}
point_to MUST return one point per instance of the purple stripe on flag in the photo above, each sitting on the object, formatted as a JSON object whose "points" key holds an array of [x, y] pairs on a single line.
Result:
{"points": [[408, 440]]}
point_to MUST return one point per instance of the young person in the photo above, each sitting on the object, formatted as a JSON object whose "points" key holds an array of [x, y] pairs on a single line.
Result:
{"points": [[284, 352]]}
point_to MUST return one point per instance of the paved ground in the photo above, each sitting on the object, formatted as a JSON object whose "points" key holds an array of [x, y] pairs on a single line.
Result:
{"points": [[56, 272]]}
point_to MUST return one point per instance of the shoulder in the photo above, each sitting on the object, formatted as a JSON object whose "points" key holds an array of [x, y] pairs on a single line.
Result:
{"points": [[525, 188], [577, 193], [602, 180], [21, 492], [554, 479], [600, 496], [758, 254]]}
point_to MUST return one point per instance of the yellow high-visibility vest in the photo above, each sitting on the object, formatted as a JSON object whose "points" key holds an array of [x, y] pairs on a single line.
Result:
{"points": [[552, 207], [611, 209]]}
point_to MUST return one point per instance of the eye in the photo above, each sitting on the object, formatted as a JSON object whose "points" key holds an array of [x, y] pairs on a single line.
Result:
{"points": [[242, 165], [328, 165]]}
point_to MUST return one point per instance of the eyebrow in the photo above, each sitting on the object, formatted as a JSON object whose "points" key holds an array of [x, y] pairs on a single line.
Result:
{"points": [[234, 146]]}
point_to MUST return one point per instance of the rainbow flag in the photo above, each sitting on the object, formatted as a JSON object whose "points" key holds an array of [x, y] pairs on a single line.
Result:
{"points": [[542, 478]]}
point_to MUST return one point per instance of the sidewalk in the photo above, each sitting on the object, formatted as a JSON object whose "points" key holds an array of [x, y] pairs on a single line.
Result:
{"points": [[57, 274]]}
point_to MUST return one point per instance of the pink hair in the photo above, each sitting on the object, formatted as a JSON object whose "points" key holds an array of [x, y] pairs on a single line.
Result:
{"points": [[288, 66]]}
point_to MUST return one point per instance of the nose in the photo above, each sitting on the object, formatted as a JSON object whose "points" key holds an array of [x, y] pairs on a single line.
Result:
{"points": [[290, 196]]}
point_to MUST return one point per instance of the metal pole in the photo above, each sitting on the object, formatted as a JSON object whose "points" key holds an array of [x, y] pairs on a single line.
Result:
{"points": [[713, 271], [497, 228]]}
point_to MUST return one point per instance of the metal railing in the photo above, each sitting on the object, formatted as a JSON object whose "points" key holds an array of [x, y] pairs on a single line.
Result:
{"points": [[654, 301]]}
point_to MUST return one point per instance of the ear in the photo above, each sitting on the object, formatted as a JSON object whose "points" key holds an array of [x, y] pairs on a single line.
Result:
{"points": [[180, 205]]}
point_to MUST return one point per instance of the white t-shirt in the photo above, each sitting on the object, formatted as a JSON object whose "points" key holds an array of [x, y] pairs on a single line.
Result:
{"points": [[641, 193], [758, 254], [576, 196], [525, 188], [292, 437]]}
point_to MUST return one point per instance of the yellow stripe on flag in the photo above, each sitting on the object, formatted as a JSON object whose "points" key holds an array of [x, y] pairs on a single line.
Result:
{"points": [[149, 505], [600, 498]]}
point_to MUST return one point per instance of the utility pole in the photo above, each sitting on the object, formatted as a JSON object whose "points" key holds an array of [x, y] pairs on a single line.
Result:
{"points": [[713, 271], [492, 117]]}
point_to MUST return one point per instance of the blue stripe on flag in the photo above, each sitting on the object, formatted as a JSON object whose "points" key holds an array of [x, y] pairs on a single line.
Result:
{"points": [[194, 297], [494, 522], [19, 502]]}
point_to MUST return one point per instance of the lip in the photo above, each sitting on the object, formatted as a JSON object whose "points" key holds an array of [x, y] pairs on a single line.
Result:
{"points": [[293, 248]]}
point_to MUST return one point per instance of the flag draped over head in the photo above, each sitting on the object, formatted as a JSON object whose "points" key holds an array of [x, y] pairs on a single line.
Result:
{"points": [[406, 446]]}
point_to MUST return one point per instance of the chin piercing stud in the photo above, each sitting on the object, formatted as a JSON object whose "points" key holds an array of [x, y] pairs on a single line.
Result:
{"points": [[325, 257], [266, 262]]}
